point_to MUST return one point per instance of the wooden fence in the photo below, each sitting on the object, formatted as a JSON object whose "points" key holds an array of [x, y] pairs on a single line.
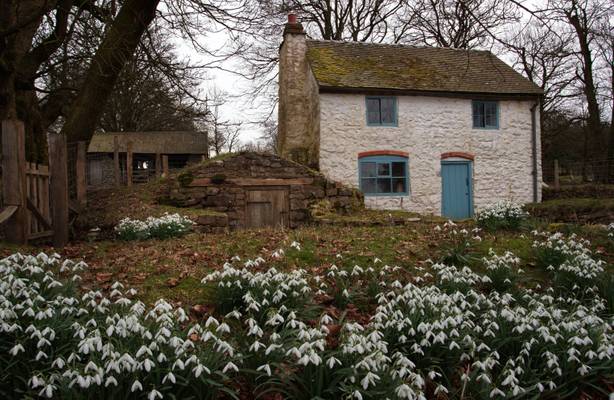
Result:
{"points": [[35, 197]]}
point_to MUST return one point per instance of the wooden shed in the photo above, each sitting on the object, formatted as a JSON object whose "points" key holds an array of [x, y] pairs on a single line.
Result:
{"points": [[148, 150]]}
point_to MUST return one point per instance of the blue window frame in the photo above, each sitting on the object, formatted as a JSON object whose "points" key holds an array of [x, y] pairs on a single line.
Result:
{"points": [[381, 110], [485, 114], [384, 175]]}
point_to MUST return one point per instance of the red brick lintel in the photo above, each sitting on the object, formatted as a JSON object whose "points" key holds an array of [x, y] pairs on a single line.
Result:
{"points": [[459, 154], [383, 153]]}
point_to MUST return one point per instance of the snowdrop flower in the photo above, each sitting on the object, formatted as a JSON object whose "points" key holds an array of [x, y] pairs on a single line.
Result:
{"points": [[136, 386], [265, 368], [154, 394]]}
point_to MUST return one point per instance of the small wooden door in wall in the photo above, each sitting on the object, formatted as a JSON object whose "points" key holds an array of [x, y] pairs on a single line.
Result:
{"points": [[267, 207]]}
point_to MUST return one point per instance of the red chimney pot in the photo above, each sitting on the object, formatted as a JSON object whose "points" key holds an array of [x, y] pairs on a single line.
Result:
{"points": [[292, 18]]}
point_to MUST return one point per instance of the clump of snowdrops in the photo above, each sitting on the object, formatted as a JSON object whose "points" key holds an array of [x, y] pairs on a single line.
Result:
{"points": [[503, 214], [455, 243], [449, 332], [55, 342], [166, 226]]}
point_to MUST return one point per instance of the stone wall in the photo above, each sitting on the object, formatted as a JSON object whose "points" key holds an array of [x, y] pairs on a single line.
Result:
{"points": [[221, 185], [427, 128]]}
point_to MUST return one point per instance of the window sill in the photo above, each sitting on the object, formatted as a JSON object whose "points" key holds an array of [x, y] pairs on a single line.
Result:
{"points": [[386, 194], [382, 125]]}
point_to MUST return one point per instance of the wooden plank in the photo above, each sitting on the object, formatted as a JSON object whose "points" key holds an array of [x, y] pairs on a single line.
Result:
{"points": [[116, 174], [44, 192], [81, 172], [14, 179], [255, 181], [31, 222], [40, 235], [129, 164], [7, 213], [59, 188], [164, 165], [39, 215]]}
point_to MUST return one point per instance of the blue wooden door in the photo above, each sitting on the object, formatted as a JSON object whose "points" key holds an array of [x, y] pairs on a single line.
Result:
{"points": [[456, 193]]}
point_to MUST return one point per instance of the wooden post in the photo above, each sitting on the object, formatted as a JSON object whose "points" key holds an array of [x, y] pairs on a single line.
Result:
{"points": [[557, 182], [165, 165], [58, 177], [81, 170], [129, 163], [158, 165], [116, 161], [14, 191]]}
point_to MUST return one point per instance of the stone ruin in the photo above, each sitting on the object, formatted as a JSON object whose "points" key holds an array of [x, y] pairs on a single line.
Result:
{"points": [[250, 189]]}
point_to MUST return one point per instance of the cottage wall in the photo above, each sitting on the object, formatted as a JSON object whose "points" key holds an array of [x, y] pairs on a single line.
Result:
{"points": [[427, 128]]}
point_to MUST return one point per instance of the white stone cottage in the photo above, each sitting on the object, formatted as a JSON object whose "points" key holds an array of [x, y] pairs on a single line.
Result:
{"points": [[431, 130]]}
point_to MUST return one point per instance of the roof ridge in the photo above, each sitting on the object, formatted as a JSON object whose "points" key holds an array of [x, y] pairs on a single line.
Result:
{"points": [[409, 46]]}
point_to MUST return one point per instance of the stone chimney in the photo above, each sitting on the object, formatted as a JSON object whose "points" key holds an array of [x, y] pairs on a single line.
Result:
{"points": [[298, 110]]}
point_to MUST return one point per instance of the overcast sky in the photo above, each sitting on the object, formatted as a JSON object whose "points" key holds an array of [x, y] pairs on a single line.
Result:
{"points": [[239, 108]]}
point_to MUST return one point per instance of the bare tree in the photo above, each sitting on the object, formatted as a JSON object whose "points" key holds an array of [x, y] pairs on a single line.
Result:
{"points": [[462, 24], [223, 134], [45, 44], [582, 17], [545, 58]]}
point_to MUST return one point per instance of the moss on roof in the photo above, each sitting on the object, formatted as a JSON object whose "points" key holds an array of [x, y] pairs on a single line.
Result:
{"points": [[357, 65]]}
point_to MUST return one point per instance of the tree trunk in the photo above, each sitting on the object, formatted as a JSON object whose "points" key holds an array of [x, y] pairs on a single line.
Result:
{"points": [[578, 19], [118, 46], [610, 162]]}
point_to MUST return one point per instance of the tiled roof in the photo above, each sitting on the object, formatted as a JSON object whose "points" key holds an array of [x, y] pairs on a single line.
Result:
{"points": [[357, 65], [171, 142]]}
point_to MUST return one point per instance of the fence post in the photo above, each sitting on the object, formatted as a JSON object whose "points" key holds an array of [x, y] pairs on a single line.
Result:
{"points": [[557, 183], [165, 165], [158, 165], [129, 163], [14, 179], [58, 178], [81, 171], [116, 161]]}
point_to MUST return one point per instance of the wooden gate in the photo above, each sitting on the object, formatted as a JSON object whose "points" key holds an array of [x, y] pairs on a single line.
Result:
{"points": [[34, 197], [267, 207], [39, 213]]}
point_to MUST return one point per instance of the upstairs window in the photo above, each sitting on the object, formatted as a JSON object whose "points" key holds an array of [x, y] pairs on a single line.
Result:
{"points": [[485, 114], [381, 111], [384, 175]]}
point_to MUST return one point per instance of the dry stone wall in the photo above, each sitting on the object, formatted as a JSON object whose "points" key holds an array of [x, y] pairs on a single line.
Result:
{"points": [[221, 187]]}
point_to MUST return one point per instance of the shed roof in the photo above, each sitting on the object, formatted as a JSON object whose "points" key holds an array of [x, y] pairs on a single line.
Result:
{"points": [[181, 142], [357, 65]]}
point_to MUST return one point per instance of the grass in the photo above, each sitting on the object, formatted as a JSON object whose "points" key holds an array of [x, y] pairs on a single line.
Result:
{"points": [[574, 210], [173, 268], [137, 202]]}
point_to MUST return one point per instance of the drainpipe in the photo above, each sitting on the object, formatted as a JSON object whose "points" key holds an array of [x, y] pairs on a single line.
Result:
{"points": [[534, 150]]}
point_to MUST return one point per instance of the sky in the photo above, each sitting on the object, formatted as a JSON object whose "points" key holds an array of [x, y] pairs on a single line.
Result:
{"points": [[238, 108]]}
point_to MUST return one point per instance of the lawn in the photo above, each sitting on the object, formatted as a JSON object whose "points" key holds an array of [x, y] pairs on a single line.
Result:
{"points": [[365, 306]]}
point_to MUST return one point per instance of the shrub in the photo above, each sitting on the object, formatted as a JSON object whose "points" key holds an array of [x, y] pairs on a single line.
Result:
{"points": [[501, 215], [166, 226]]}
